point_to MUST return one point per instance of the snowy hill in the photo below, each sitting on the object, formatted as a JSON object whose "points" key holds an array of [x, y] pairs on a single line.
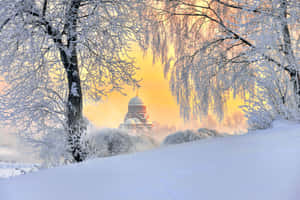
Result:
{"points": [[264, 165]]}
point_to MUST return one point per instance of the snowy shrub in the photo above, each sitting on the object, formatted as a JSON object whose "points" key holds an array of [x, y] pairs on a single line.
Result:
{"points": [[110, 142], [189, 135], [259, 119], [274, 98], [52, 144], [52, 147], [182, 137], [208, 132]]}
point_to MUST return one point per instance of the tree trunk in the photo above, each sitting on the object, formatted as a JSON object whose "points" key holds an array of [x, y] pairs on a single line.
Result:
{"points": [[76, 127], [288, 51], [74, 112], [295, 78]]}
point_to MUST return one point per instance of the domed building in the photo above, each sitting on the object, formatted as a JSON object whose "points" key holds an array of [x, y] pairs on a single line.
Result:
{"points": [[136, 118]]}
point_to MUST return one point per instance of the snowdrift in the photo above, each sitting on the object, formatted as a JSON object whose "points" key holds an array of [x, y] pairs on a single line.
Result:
{"points": [[262, 165]]}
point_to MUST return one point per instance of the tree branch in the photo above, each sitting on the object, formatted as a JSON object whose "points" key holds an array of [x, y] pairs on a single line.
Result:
{"points": [[234, 34], [6, 22], [45, 7], [51, 31]]}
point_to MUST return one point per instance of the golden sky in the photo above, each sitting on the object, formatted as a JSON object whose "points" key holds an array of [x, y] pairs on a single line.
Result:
{"points": [[154, 91], [161, 105]]}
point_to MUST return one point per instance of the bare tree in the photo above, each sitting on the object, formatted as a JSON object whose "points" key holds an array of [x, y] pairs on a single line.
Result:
{"points": [[225, 47], [54, 52]]}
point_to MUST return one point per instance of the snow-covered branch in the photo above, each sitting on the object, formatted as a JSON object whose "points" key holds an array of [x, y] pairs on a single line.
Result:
{"points": [[221, 45]]}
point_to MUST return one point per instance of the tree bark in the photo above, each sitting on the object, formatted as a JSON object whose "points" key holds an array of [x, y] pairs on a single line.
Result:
{"points": [[76, 127], [288, 51], [74, 111], [75, 123]]}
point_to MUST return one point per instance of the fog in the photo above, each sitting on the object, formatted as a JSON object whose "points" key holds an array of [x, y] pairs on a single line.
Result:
{"points": [[13, 148]]}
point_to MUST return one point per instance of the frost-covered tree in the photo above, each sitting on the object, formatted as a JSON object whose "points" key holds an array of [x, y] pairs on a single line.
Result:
{"points": [[225, 47], [55, 52]]}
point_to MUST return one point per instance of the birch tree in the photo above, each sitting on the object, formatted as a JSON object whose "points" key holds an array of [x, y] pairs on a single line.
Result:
{"points": [[55, 52], [228, 46]]}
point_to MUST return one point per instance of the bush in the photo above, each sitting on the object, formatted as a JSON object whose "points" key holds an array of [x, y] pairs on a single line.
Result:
{"points": [[189, 135], [110, 142], [260, 119], [208, 133], [52, 148], [274, 98]]}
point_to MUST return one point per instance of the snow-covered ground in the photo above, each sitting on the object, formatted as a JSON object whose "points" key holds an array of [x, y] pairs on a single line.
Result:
{"points": [[8, 169], [14, 155], [263, 165]]}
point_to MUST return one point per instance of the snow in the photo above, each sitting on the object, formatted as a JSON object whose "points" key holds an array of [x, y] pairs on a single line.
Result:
{"points": [[261, 165], [8, 169], [74, 90]]}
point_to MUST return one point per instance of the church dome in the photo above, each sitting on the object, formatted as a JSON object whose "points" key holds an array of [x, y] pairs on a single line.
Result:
{"points": [[132, 121], [135, 101], [129, 122]]}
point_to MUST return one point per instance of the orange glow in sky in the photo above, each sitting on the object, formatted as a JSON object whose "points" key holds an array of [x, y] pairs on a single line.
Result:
{"points": [[161, 105], [154, 91]]}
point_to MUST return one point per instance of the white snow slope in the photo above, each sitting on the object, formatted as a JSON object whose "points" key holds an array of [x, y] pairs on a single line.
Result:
{"points": [[264, 165]]}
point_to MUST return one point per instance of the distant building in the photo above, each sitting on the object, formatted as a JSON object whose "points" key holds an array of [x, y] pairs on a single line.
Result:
{"points": [[136, 118]]}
